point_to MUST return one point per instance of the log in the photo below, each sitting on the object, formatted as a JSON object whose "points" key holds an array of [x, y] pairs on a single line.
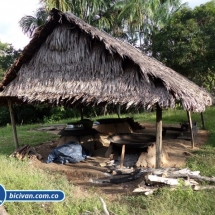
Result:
{"points": [[22, 148], [148, 191], [196, 177], [169, 181], [34, 152], [19, 150], [207, 187], [25, 151]]}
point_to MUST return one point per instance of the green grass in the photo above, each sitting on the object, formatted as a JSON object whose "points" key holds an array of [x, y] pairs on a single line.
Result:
{"points": [[26, 135], [179, 201], [22, 175]]}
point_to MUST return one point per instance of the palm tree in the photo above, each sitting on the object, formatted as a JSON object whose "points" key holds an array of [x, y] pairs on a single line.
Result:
{"points": [[30, 23], [144, 16], [85, 9], [63, 5], [131, 20], [157, 19]]}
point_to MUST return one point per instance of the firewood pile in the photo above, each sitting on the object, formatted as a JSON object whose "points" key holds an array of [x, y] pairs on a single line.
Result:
{"points": [[26, 151], [153, 179], [171, 177]]}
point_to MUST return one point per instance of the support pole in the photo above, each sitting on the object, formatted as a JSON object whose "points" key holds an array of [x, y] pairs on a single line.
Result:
{"points": [[158, 136], [203, 122], [118, 110], [122, 156], [81, 113], [191, 128], [13, 124]]}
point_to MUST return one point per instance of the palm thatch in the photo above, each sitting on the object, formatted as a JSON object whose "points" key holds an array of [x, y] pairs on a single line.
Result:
{"points": [[70, 62]]}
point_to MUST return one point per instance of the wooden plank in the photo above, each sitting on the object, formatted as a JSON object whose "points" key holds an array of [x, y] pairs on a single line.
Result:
{"points": [[158, 136], [191, 128], [122, 156], [203, 122], [13, 124]]}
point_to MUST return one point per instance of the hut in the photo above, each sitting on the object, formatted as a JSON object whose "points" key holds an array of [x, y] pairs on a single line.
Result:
{"points": [[68, 62]]}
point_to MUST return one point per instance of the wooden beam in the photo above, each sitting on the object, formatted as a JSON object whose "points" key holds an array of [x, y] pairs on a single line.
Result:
{"points": [[203, 122], [158, 136], [122, 156], [81, 112], [191, 128], [13, 124]]}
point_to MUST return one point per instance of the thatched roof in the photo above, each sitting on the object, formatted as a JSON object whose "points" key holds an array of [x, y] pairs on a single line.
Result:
{"points": [[68, 62]]}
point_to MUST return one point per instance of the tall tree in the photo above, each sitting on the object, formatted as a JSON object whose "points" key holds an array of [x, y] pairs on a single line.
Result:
{"points": [[87, 10], [187, 45], [7, 56], [30, 23], [130, 20], [63, 5], [142, 17]]}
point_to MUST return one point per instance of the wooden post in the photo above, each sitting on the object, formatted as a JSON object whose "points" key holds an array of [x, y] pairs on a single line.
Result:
{"points": [[81, 113], [122, 156], [105, 110], [118, 110], [203, 122], [158, 136], [191, 128], [13, 124]]}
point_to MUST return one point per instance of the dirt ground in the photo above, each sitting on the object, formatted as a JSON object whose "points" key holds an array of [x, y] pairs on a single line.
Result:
{"points": [[82, 174]]}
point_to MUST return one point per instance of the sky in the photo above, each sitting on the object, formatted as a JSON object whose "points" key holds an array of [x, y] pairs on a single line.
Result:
{"points": [[11, 11]]}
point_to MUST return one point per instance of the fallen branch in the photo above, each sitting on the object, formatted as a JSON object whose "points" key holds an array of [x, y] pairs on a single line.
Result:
{"points": [[104, 206]]}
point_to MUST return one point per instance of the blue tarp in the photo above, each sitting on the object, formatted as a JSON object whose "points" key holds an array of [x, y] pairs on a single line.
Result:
{"points": [[67, 153]]}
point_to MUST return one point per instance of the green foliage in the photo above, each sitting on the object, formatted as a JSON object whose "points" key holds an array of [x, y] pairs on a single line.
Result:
{"points": [[186, 44], [7, 56], [143, 18], [130, 20], [4, 116], [59, 113], [30, 23], [63, 5], [28, 114], [203, 159]]}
